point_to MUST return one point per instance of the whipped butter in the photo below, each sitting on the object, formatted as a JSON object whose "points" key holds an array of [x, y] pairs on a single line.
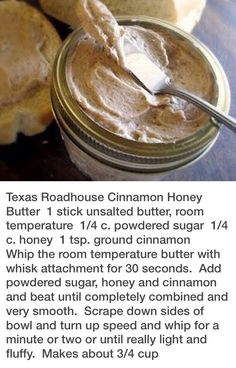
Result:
{"points": [[22, 64], [108, 94], [98, 21]]}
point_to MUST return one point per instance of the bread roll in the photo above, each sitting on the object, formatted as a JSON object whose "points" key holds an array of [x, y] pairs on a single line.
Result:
{"points": [[183, 13], [27, 50]]}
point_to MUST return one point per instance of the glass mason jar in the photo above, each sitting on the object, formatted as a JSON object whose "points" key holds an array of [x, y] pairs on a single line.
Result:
{"points": [[103, 155]]}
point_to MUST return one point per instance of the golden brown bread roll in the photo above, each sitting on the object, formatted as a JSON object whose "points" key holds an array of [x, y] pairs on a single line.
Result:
{"points": [[183, 13], [27, 50]]}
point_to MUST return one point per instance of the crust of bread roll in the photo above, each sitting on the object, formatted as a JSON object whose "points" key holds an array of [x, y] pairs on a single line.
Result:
{"points": [[183, 13], [61, 10], [189, 13], [32, 113]]}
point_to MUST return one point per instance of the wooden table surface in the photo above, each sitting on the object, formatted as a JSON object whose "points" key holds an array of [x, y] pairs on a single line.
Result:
{"points": [[43, 157]]}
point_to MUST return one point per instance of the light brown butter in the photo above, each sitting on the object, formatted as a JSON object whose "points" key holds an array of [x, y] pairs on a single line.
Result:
{"points": [[111, 97], [105, 90]]}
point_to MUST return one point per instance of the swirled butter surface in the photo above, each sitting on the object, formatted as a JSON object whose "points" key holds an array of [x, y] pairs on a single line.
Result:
{"points": [[108, 94]]}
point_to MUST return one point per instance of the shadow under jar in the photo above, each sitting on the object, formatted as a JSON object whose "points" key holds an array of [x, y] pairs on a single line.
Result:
{"points": [[103, 155]]}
